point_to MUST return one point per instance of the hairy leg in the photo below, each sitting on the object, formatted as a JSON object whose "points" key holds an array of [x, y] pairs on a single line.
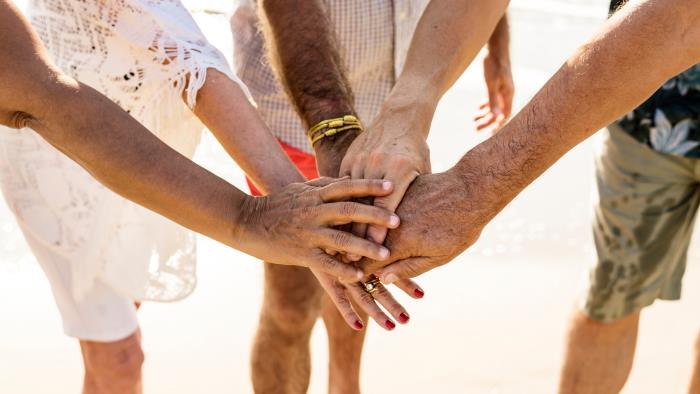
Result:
{"points": [[599, 355], [281, 359], [345, 348], [113, 367]]}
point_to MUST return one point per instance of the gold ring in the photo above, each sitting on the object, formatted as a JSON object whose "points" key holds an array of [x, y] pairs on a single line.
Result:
{"points": [[372, 285]]}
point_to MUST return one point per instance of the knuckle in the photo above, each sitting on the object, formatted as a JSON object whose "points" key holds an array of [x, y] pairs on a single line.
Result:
{"points": [[328, 263], [383, 292], [348, 209], [367, 299], [376, 157], [341, 238]]}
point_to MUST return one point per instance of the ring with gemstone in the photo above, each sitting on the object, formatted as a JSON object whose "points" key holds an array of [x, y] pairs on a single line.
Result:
{"points": [[371, 285]]}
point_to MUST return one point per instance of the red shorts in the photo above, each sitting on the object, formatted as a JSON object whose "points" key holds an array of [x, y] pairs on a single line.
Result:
{"points": [[305, 162]]}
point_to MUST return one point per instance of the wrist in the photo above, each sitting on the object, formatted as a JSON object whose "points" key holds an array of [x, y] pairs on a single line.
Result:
{"points": [[405, 113], [245, 219], [418, 94], [330, 152], [499, 56]]}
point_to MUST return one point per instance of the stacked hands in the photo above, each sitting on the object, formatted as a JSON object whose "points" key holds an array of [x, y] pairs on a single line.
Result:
{"points": [[386, 220]]}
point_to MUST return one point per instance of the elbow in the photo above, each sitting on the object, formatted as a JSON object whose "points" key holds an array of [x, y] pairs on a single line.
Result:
{"points": [[37, 100]]}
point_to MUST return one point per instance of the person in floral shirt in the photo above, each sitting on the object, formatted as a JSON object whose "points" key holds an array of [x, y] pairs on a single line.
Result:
{"points": [[648, 178]]}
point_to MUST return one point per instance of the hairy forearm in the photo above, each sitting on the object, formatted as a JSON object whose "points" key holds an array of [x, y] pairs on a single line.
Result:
{"points": [[604, 79], [304, 53], [225, 110]]}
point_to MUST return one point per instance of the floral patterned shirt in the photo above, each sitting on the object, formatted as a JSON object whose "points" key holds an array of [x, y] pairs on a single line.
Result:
{"points": [[669, 121]]}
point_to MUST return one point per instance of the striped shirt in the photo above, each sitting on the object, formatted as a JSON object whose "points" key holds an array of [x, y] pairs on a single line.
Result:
{"points": [[373, 38]]}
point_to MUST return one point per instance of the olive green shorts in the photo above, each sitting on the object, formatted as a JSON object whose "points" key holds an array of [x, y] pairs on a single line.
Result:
{"points": [[642, 227]]}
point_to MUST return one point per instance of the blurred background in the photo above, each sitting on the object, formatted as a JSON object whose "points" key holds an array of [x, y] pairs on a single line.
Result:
{"points": [[493, 321]]}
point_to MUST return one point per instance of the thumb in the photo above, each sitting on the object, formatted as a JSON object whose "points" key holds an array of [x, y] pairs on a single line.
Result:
{"points": [[405, 269], [391, 202]]}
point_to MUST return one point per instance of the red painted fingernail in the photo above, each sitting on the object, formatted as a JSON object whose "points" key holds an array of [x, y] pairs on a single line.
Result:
{"points": [[419, 293], [404, 317], [359, 325], [390, 324]]}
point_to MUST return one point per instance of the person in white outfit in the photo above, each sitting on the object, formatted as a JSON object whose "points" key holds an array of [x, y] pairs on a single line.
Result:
{"points": [[102, 253]]}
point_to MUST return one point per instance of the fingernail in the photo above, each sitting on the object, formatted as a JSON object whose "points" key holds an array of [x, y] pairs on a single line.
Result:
{"points": [[389, 279], [394, 221], [390, 324], [404, 318], [358, 324], [359, 275], [383, 253], [386, 185], [419, 293]]}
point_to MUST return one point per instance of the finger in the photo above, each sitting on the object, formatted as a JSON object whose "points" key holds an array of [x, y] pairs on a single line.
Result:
{"points": [[485, 110], [337, 213], [348, 189], [365, 301], [389, 303], [410, 287], [360, 229], [336, 292], [405, 269], [391, 202], [335, 268], [322, 181], [486, 121], [349, 243]]}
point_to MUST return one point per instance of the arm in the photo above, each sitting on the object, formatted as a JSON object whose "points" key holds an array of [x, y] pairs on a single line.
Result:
{"points": [[224, 109], [130, 160], [304, 54], [448, 37], [605, 78], [499, 79]]}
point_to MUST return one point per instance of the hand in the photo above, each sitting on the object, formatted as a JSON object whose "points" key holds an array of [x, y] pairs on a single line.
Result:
{"points": [[340, 294], [393, 148], [499, 83], [294, 225], [441, 218]]}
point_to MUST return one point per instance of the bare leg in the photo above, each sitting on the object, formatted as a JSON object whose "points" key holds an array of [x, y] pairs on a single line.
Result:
{"points": [[281, 359], [598, 355], [345, 348], [695, 381], [113, 367]]}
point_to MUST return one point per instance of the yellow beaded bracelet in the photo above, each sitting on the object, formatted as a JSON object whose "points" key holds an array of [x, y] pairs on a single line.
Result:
{"points": [[334, 126]]}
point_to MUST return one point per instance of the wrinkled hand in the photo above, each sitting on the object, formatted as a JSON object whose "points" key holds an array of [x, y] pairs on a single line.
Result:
{"points": [[441, 218], [499, 83], [393, 148], [341, 293], [295, 225]]}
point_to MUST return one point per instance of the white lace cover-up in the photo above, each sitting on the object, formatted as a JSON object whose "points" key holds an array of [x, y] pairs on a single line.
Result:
{"points": [[145, 55]]}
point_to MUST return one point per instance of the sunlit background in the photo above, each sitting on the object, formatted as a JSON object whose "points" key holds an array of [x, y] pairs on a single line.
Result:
{"points": [[491, 322]]}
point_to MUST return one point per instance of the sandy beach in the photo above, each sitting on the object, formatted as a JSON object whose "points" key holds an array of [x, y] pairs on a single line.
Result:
{"points": [[493, 321]]}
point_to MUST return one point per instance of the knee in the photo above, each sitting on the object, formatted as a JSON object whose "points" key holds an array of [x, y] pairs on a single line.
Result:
{"points": [[113, 363], [293, 314]]}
